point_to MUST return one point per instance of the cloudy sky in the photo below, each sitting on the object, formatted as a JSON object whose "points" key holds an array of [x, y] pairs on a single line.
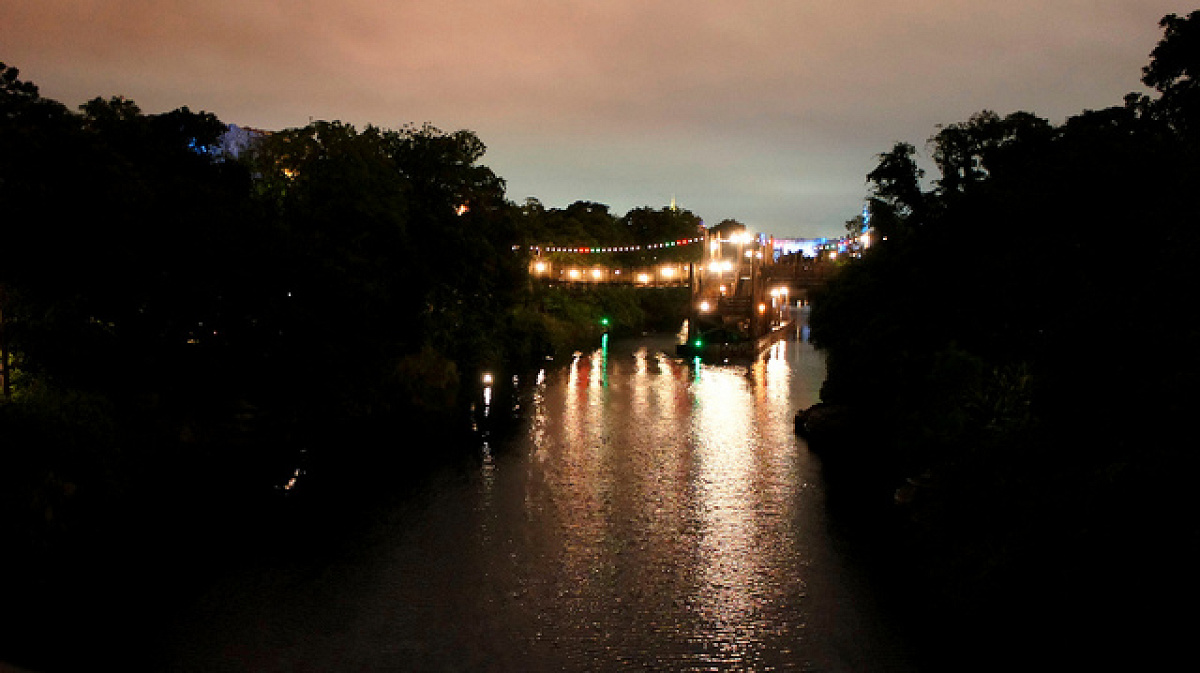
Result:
{"points": [[767, 111]]}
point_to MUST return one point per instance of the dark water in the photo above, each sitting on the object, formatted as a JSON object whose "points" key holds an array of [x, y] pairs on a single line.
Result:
{"points": [[651, 514]]}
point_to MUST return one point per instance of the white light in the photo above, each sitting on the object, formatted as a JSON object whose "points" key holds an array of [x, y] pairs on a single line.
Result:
{"points": [[487, 378]]}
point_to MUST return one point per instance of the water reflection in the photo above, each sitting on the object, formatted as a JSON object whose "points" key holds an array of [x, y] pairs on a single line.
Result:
{"points": [[293, 479], [670, 545], [654, 513], [600, 362], [732, 587]]}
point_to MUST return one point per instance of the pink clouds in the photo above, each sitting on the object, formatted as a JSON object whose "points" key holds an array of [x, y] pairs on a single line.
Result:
{"points": [[790, 80]]}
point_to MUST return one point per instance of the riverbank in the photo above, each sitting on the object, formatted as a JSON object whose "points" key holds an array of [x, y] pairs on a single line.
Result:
{"points": [[108, 593], [999, 560]]}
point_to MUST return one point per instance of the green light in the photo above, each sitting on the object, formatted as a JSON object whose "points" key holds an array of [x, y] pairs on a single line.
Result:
{"points": [[698, 343], [604, 321]]}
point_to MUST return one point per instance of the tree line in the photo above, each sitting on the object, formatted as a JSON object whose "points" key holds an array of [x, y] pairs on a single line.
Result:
{"points": [[1024, 346]]}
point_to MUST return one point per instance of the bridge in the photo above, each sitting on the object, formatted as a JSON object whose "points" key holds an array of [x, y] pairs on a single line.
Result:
{"points": [[740, 289]]}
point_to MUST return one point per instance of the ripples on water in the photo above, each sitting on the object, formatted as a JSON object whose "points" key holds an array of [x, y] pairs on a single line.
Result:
{"points": [[654, 513]]}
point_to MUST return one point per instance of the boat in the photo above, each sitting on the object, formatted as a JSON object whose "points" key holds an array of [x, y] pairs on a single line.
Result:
{"points": [[717, 343]]}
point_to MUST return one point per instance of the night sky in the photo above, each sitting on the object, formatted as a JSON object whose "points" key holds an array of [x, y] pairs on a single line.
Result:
{"points": [[769, 112]]}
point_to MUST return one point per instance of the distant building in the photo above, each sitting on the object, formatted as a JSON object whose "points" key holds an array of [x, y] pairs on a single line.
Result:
{"points": [[805, 246], [238, 139]]}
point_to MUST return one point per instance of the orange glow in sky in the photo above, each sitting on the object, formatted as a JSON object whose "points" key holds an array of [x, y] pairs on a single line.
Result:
{"points": [[770, 112]]}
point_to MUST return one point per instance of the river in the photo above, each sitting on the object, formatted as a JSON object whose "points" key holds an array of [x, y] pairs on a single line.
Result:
{"points": [[650, 513]]}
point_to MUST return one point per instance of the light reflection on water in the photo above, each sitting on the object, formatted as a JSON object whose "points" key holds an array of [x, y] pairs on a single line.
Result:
{"points": [[655, 513], [729, 592], [668, 504]]}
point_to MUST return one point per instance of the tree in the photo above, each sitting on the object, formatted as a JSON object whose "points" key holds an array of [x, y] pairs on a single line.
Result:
{"points": [[1173, 70], [101, 114], [984, 354], [649, 226], [966, 153], [856, 226], [895, 186], [465, 232], [16, 99], [400, 243], [15, 93], [729, 227]]}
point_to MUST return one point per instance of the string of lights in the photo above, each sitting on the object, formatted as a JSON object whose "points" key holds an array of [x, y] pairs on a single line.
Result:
{"points": [[621, 248]]}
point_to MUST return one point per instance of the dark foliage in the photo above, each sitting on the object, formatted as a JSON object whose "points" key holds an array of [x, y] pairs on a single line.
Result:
{"points": [[183, 324], [1022, 340], [185, 327]]}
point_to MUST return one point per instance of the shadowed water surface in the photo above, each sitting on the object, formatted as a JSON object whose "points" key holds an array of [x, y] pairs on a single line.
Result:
{"points": [[652, 513]]}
